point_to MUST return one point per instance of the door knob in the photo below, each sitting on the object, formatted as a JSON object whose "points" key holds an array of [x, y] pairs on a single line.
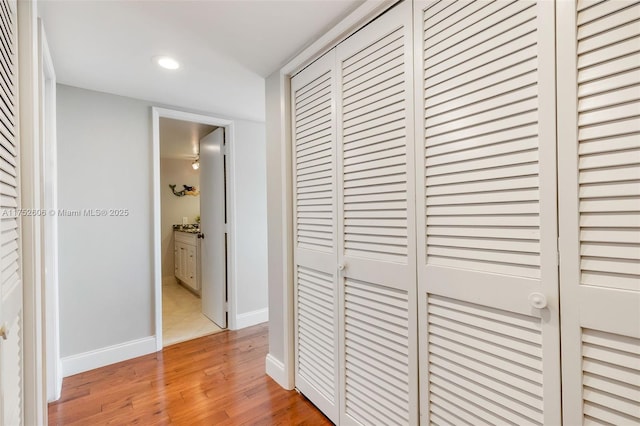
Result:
{"points": [[341, 267], [538, 300], [4, 331], [200, 235]]}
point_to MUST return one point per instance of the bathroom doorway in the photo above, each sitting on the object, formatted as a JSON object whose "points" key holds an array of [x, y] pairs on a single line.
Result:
{"points": [[193, 229]]}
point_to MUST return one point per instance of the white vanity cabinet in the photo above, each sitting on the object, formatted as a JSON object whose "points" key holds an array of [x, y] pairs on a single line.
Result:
{"points": [[187, 259]]}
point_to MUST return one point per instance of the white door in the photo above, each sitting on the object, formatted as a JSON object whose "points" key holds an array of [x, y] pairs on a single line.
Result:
{"points": [[487, 228], [212, 227], [376, 223], [11, 371], [315, 252], [599, 183]]}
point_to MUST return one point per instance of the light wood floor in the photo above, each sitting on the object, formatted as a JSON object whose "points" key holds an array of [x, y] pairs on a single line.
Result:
{"points": [[214, 380], [182, 317]]}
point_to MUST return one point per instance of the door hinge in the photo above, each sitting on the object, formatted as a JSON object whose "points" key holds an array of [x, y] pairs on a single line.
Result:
{"points": [[558, 252], [226, 306]]}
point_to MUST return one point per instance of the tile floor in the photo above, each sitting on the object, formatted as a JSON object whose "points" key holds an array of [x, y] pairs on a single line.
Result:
{"points": [[182, 317]]}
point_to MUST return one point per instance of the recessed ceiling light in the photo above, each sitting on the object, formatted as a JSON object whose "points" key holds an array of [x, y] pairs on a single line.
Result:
{"points": [[167, 62]]}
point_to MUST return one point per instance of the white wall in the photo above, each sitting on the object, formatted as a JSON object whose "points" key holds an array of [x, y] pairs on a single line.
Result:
{"points": [[173, 209], [280, 358], [106, 276], [275, 193]]}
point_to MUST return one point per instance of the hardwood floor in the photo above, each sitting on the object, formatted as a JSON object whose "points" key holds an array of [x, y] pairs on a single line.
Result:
{"points": [[213, 380]]}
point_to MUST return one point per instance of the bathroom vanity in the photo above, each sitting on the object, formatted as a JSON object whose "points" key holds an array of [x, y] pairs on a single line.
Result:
{"points": [[187, 258]]}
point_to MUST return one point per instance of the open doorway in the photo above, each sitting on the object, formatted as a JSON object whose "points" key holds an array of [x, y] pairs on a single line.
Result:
{"points": [[191, 223]]}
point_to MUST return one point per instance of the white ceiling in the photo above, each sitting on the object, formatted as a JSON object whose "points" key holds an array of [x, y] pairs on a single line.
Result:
{"points": [[226, 48], [179, 139]]}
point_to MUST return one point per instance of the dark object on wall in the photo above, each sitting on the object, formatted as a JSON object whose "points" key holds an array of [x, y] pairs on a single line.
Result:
{"points": [[188, 190]]}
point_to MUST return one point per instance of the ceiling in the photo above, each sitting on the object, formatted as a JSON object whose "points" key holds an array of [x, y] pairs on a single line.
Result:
{"points": [[226, 48], [179, 139]]}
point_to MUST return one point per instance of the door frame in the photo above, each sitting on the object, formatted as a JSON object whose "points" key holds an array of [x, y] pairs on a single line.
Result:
{"points": [[30, 193], [228, 125], [49, 200]]}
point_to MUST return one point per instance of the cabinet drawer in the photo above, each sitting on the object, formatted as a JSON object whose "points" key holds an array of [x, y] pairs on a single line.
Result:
{"points": [[185, 237]]}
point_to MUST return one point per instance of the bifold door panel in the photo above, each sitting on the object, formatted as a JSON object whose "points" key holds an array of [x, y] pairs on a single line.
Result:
{"points": [[376, 222], [11, 287], [315, 230], [599, 113], [487, 265]]}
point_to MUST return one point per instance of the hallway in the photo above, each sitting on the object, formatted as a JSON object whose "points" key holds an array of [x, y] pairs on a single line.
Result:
{"points": [[216, 379]]}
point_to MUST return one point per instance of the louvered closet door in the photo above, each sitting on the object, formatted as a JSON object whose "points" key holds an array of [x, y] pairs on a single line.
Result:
{"points": [[376, 223], [10, 273], [316, 301], [599, 182], [487, 254]]}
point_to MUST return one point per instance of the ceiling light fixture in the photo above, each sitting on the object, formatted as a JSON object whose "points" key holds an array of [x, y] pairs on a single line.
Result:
{"points": [[166, 62]]}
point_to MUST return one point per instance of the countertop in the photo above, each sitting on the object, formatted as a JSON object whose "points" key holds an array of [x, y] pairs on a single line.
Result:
{"points": [[191, 228]]}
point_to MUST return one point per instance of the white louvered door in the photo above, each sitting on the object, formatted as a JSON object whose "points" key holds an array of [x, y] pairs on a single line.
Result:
{"points": [[599, 183], [486, 205], [315, 234], [376, 223], [11, 371]]}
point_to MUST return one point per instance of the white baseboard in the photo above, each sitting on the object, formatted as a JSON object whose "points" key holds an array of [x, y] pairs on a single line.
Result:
{"points": [[86, 361], [275, 369], [251, 318], [57, 392], [54, 390], [59, 377]]}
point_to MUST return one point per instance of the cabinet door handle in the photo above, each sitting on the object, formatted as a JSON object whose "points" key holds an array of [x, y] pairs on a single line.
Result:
{"points": [[538, 300]]}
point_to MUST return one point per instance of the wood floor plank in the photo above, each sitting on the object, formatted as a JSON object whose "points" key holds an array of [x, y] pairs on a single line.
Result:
{"points": [[213, 380]]}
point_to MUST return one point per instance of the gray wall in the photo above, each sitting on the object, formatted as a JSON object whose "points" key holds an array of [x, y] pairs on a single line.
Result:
{"points": [[105, 269], [251, 216], [106, 263]]}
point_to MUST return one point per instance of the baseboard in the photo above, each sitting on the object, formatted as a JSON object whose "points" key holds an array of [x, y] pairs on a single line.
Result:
{"points": [[54, 390], [252, 318], [58, 389], [59, 377], [86, 361], [275, 369]]}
